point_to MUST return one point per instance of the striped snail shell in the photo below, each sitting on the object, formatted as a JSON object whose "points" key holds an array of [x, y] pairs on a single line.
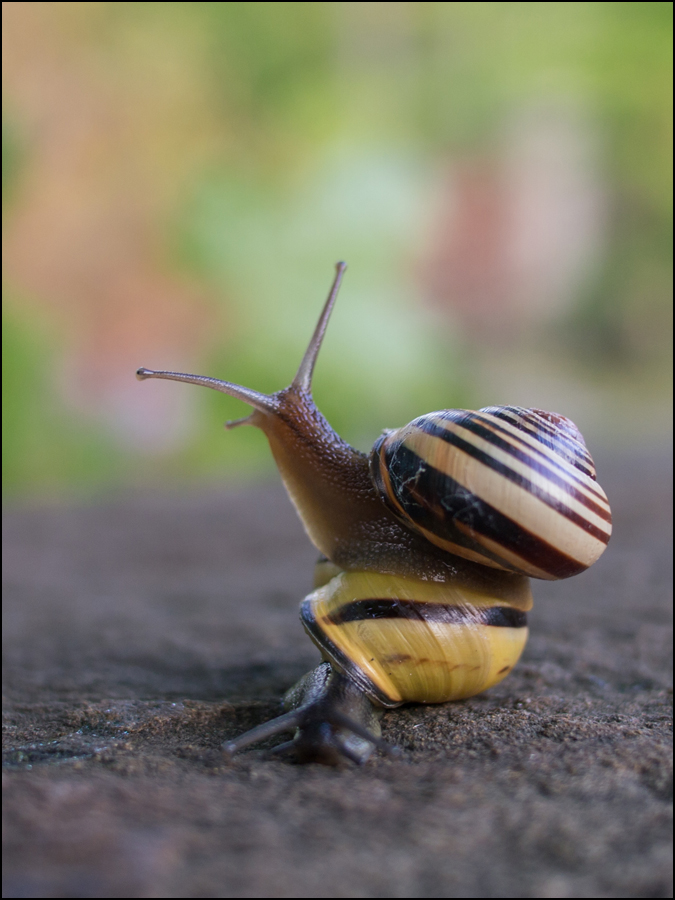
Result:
{"points": [[402, 640], [503, 486]]}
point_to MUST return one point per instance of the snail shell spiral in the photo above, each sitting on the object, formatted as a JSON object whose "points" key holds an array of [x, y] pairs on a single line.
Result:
{"points": [[507, 487]]}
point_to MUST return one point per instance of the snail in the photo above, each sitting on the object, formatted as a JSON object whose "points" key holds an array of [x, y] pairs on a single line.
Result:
{"points": [[427, 545]]}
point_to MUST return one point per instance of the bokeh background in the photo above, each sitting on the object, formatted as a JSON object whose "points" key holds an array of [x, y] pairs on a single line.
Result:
{"points": [[180, 178]]}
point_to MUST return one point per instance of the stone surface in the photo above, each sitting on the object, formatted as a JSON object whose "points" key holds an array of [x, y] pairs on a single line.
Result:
{"points": [[142, 632]]}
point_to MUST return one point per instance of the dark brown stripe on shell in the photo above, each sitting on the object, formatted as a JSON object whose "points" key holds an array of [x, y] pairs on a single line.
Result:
{"points": [[533, 423], [418, 610], [591, 488], [452, 501], [547, 435], [477, 428], [545, 453]]}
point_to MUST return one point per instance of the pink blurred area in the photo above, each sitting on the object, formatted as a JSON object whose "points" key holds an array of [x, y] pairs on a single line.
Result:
{"points": [[518, 231]]}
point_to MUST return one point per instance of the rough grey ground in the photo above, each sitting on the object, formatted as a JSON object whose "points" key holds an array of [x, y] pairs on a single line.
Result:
{"points": [[141, 633]]}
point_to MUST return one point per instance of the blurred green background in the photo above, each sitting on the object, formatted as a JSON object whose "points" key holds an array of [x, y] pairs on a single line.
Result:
{"points": [[180, 178]]}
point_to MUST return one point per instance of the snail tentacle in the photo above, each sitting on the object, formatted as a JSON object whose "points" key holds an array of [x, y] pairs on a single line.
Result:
{"points": [[287, 722], [303, 377]]}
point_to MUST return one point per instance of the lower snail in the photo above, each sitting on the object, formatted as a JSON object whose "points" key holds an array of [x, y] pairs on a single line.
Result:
{"points": [[421, 592]]}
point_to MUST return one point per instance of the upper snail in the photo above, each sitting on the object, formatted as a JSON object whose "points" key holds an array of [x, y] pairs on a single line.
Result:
{"points": [[420, 595]]}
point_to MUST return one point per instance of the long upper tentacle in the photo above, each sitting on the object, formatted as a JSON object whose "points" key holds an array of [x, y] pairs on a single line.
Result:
{"points": [[303, 378], [263, 402]]}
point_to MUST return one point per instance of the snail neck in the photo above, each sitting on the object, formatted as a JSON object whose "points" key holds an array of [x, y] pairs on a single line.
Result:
{"points": [[329, 484], [327, 480]]}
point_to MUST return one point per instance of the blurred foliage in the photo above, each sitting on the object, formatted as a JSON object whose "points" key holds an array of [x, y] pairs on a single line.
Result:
{"points": [[44, 444], [277, 138]]}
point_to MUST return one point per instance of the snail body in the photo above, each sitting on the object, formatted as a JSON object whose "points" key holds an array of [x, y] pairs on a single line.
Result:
{"points": [[422, 588]]}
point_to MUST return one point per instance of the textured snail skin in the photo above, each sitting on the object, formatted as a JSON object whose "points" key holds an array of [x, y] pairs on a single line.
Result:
{"points": [[421, 592]]}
